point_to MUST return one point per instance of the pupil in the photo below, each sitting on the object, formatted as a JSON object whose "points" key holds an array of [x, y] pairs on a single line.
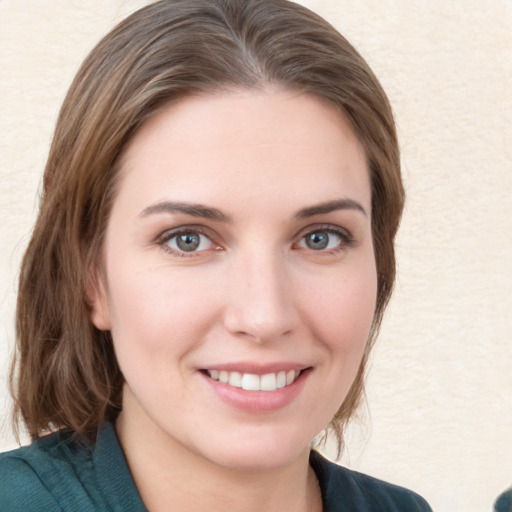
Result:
{"points": [[188, 242], [317, 240]]}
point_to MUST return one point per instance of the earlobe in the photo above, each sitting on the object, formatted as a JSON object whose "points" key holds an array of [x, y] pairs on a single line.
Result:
{"points": [[97, 301]]}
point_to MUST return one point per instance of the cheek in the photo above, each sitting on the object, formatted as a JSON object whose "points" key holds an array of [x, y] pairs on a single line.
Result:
{"points": [[157, 310], [342, 310]]}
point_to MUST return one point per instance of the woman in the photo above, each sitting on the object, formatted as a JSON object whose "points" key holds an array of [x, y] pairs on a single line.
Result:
{"points": [[209, 269]]}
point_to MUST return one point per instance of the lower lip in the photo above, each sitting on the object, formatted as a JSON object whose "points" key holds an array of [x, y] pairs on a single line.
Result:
{"points": [[258, 401]]}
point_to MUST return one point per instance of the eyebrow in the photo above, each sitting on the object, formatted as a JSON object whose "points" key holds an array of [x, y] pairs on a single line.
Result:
{"points": [[207, 212], [193, 209], [330, 206]]}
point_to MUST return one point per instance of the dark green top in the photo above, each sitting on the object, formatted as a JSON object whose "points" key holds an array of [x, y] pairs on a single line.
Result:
{"points": [[504, 502], [56, 473]]}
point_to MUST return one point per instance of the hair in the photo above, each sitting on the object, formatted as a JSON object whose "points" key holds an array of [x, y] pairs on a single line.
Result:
{"points": [[65, 373]]}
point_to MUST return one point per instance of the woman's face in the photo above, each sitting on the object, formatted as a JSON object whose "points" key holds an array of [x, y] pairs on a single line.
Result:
{"points": [[238, 276]]}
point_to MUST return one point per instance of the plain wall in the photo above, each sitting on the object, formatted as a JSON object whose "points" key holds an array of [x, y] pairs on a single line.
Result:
{"points": [[439, 410]]}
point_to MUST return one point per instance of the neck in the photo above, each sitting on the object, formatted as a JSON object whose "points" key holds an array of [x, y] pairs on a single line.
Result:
{"points": [[167, 472]]}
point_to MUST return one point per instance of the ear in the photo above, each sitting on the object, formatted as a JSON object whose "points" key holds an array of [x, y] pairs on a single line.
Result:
{"points": [[97, 301]]}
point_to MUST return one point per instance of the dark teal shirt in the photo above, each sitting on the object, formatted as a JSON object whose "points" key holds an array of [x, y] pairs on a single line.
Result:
{"points": [[504, 502], [56, 473]]}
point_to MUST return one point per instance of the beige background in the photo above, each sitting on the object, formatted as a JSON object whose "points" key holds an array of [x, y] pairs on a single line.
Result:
{"points": [[439, 413]]}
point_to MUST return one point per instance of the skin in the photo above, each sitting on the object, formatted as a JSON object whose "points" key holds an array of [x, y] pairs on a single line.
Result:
{"points": [[254, 292]]}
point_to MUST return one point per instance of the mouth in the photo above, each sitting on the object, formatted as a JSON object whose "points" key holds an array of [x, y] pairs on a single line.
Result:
{"points": [[257, 389], [255, 382]]}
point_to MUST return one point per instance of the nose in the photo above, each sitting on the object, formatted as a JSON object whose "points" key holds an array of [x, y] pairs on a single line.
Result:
{"points": [[261, 305]]}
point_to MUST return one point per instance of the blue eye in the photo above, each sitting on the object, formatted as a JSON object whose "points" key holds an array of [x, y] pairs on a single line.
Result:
{"points": [[188, 242], [323, 240]]}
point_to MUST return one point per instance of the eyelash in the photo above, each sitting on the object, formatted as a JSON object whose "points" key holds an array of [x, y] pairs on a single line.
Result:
{"points": [[164, 239], [345, 239]]}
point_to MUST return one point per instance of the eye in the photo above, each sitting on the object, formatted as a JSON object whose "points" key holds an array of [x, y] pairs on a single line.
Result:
{"points": [[325, 239], [186, 241]]}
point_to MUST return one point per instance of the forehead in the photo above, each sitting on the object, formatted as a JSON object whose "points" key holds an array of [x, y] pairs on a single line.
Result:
{"points": [[273, 144]]}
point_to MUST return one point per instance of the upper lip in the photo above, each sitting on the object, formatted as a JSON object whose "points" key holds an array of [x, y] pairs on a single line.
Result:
{"points": [[257, 368]]}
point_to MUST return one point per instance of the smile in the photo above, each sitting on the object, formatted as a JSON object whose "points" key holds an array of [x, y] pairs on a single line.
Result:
{"points": [[253, 382]]}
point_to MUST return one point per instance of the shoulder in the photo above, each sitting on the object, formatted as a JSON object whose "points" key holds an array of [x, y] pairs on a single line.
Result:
{"points": [[59, 473], [344, 489], [44, 476], [21, 487], [504, 502]]}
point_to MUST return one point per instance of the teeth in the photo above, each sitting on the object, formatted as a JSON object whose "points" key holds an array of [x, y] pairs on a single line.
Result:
{"points": [[250, 382], [268, 382], [281, 380], [253, 382], [235, 379]]}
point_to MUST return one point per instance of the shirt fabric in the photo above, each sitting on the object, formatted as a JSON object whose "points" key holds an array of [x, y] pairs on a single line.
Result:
{"points": [[504, 502], [57, 473]]}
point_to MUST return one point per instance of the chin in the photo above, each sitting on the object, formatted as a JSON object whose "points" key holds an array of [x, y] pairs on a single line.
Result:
{"points": [[259, 452]]}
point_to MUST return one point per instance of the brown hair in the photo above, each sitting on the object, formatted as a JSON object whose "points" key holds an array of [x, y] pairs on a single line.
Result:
{"points": [[65, 374]]}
